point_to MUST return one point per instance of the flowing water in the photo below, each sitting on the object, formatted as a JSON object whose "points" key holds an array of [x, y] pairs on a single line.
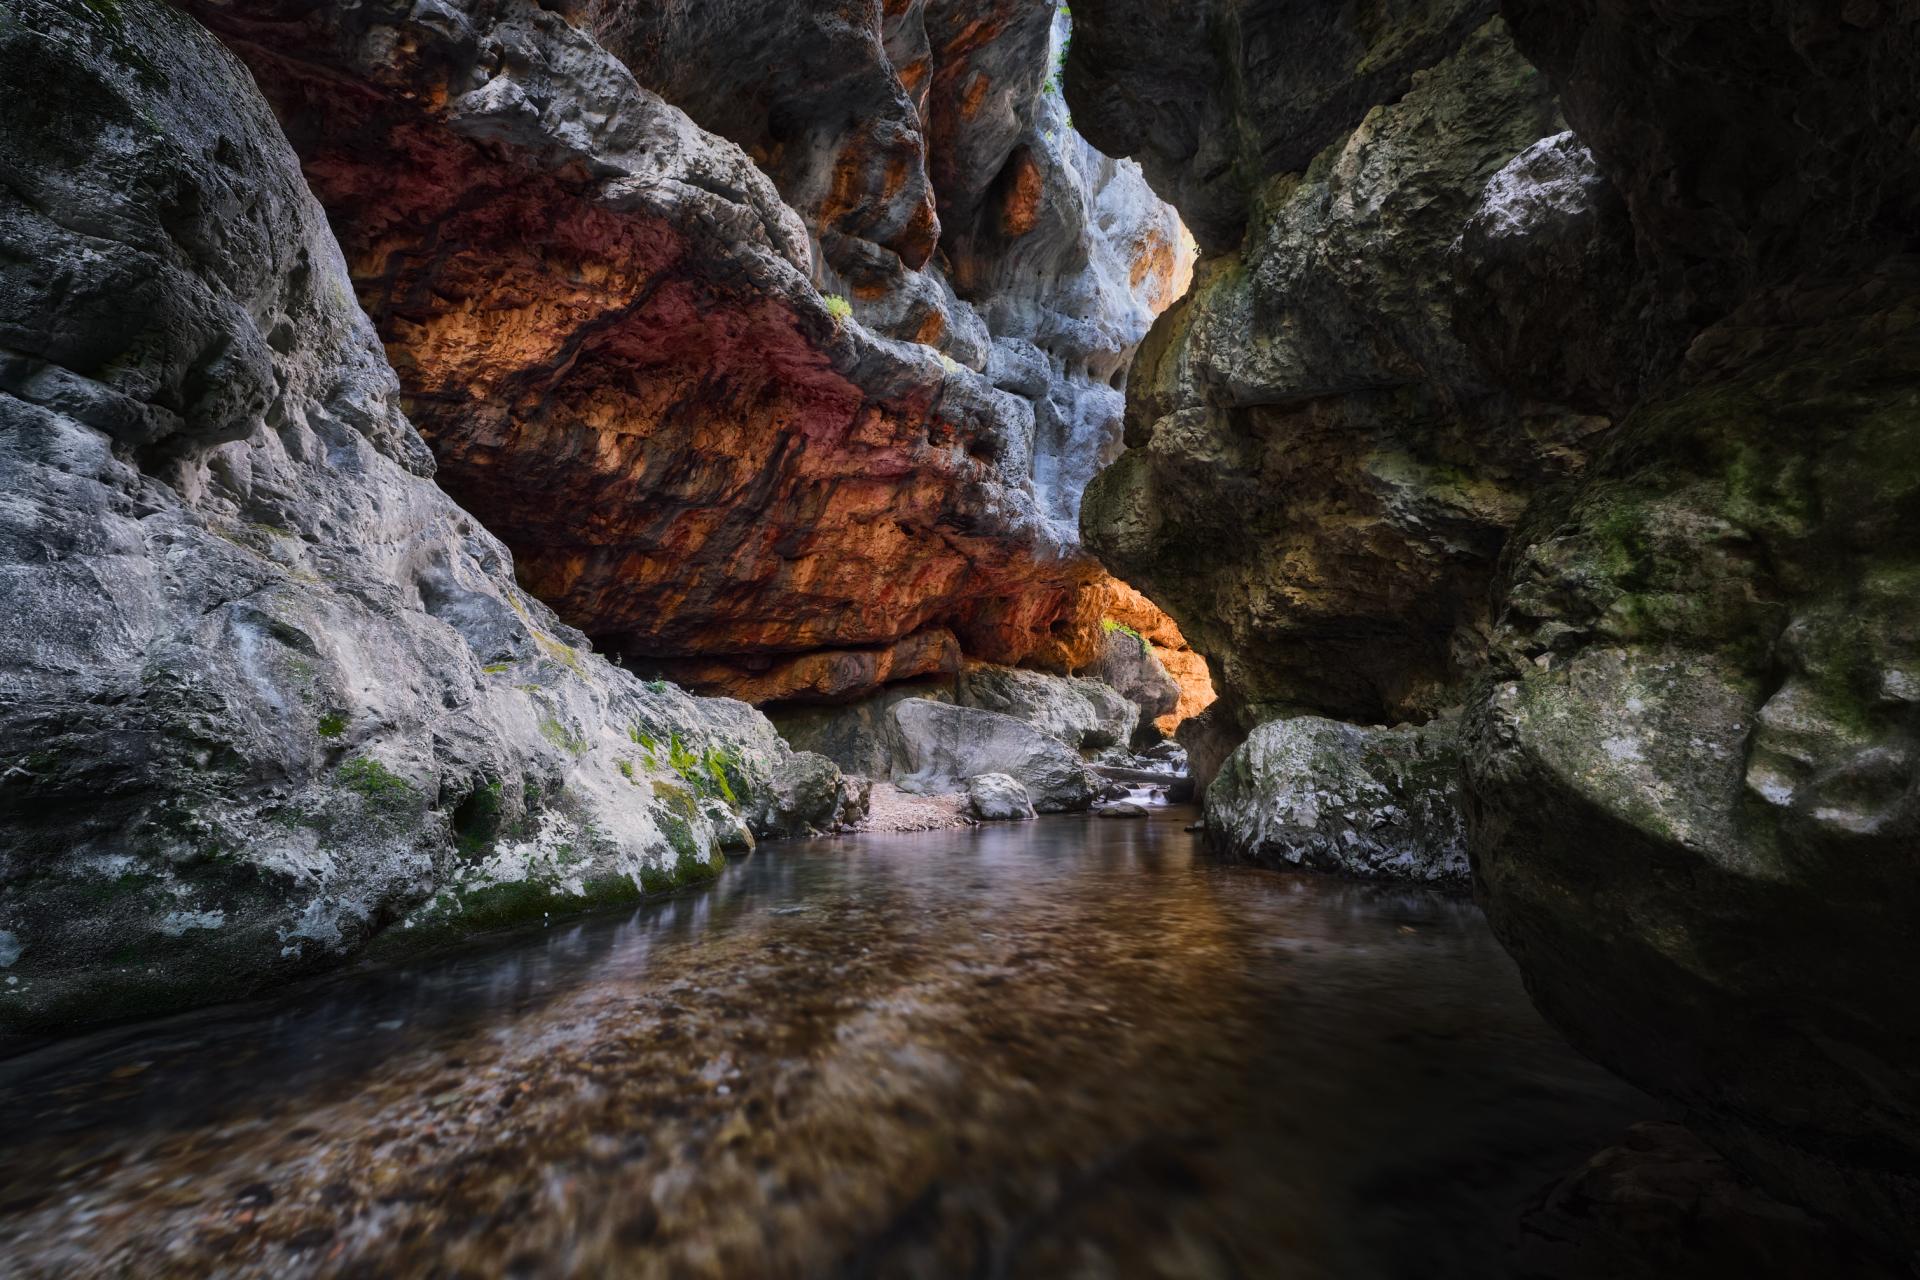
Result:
{"points": [[1070, 1047]]}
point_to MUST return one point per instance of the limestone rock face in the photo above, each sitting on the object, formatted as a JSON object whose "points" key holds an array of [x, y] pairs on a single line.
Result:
{"points": [[265, 691], [1321, 474], [995, 797], [1216, 96], [749, 432], [1129, 664], [1690, 780], [1692, 786], [943, 746], [1085, 714], [1326, 796], [863, 736]]}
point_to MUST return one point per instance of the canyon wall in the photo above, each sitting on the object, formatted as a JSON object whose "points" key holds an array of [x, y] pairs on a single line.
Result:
{"points": [[266, 693], [788, 394], [1550, 378]]}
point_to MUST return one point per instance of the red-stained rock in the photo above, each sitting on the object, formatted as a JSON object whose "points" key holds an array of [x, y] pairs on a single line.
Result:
{"points": [[633, 380]]}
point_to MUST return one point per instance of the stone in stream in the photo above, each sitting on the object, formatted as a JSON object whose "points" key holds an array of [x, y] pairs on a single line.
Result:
{"points": [[995, 797], [1319, 794], [1121, 809]]}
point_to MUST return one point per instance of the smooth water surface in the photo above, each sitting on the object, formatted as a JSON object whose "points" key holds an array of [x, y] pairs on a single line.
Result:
{"points": [[1066, 1048]]}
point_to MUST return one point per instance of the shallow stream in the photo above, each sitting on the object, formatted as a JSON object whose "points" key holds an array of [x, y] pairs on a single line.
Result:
{"points": [[1071, 1047]]}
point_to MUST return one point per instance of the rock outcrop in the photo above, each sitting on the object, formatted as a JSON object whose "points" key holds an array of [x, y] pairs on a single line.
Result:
{"points": [[1085, 714], [1604, 426], [1216, 96], [944, 746], [1320, 474], [1078, 717], [1129, 664], [995, 797], [784, 455], [266, 693], [1693, 783], [1325, 796]]}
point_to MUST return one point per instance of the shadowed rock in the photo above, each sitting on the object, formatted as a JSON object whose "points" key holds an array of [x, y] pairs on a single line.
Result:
{"points": [[1325, 796]]}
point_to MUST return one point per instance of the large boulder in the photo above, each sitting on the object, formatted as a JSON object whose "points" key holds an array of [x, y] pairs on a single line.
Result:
{"points": [[995, 797], [1695, 785], [859, 736], [1084, 714], [266, 691], [1129, 664], [943, 746], [1327, 796]]}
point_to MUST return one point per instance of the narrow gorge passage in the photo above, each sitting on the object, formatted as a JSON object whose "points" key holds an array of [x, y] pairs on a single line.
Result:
{"points": [[797, 638]]}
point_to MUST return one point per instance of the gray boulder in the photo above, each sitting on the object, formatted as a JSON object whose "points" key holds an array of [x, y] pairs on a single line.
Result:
{"points": [[1328, 796], [859, 736], [1128, 664], [943, 746], [995, 797], [1081, 713]]}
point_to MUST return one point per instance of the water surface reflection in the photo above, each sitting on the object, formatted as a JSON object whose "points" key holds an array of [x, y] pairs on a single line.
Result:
{"points": [[1065, 1048]]}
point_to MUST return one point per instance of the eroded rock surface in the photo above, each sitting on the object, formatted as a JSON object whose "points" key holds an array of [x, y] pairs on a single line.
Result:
{"points": [[1320, 473], [1616, 409], [1325, 796], [942, 746], [265, 691], [1216, 96], [762, 451], [1693, 785], [1087, 714]]}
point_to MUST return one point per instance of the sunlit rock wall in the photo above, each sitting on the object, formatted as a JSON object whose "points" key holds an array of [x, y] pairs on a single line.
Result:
{"points": [[753, 389]]}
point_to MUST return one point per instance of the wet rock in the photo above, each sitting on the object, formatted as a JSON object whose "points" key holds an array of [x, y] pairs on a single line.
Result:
{"points": [[995, 797], [1692, 783], [942, 746], [1120, 809], [270, 693], [1326, 796]]}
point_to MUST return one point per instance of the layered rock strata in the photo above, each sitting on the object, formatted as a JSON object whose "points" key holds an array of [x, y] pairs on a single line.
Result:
{"points": [[760, 451], [268, 694]]}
